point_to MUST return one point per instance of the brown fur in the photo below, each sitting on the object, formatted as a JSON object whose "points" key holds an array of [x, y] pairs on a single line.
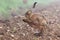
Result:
{"points": [[36, 21]]}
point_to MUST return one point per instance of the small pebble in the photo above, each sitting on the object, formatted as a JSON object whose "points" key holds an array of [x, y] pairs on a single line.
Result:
{"points": [[27, 25], [8, 30], [12, 35], [0, 27], [23, 34]]}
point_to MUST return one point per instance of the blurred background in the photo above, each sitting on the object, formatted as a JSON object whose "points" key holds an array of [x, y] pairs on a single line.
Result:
{"points": [[15, 7]]}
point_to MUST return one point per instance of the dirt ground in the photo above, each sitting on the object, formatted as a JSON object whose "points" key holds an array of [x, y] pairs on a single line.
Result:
{"points": [[16, 29]]}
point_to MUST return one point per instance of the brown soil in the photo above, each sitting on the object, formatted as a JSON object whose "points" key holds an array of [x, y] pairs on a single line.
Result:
{"points": [[16, 29]]}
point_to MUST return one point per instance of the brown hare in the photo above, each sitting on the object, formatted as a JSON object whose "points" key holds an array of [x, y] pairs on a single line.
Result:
{"points": [[36, 21]]}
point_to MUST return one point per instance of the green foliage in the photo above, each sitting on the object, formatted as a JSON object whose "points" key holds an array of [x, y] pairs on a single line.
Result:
{"points": [[6, 4]]}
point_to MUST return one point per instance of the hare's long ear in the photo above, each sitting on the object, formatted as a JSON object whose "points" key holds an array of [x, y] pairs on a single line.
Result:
{"points": [[34, 4]]}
